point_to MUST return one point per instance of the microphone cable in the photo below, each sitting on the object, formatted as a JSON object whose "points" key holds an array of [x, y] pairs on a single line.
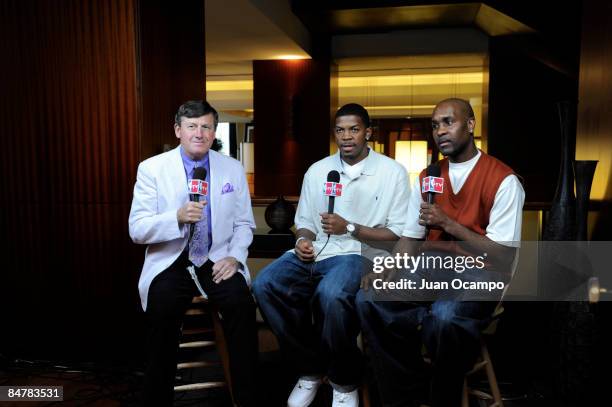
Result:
{"points": [[312, 266]]}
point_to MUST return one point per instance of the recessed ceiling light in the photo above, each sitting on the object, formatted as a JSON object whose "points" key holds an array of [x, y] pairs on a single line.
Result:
{"points": [[292, 57]]}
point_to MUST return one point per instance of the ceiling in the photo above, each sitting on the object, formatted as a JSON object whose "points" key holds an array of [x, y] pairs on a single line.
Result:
{"points": [[238, 32], [390, 83], [409, 86], [373, 19]]}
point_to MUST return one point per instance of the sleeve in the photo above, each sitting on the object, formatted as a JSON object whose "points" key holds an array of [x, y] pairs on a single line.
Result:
{"points": [[399, 205], [505, 219], [412, 228], [146, 225], [303, 214], [244, 224]]}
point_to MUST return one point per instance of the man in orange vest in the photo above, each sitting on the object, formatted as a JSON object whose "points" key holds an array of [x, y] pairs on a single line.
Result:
{"points": [[478, 215]]}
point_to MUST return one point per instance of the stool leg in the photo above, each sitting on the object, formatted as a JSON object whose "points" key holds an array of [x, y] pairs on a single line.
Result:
{"points": [[491, 376], [464, 399], [365, 394], [222, 349]]}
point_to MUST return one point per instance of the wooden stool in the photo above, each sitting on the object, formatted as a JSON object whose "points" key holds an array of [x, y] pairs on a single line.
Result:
{"points": [[484, 362], [200, 308]]}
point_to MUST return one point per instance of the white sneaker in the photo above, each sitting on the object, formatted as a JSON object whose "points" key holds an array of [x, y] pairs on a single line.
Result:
{"points": [[303, 393], [350, 399]]}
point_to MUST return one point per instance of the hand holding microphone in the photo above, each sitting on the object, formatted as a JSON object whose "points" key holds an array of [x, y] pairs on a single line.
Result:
{"points": [[333, 224], [193, 210], [430, 214]]}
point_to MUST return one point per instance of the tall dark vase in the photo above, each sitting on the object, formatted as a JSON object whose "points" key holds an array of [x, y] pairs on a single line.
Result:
{"points": [[560, 226], [584, 171], [561, 219], [578, 333]]}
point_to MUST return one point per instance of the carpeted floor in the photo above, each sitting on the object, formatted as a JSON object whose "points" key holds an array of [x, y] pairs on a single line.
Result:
{"points": [[109, 386]]}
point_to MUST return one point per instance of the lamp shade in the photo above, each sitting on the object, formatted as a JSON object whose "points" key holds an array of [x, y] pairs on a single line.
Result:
{"points": [[411, 154], [247, 151]]}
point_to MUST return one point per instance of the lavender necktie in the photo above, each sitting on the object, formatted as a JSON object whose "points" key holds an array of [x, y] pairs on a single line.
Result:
{"points": [[198, 247]]}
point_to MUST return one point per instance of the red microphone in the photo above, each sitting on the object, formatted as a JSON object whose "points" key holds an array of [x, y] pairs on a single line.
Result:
{"points": [[197, 187], [333, 188], [432, 183]]}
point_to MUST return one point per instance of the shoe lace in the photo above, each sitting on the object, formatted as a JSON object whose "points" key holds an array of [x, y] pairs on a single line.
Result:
{"points": [[342, 397], [305, 385]]}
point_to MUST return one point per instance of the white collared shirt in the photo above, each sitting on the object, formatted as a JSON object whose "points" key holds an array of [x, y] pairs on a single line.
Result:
{"points": [[378, 197]]}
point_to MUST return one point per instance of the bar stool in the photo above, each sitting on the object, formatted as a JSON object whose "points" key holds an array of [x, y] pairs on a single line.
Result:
{"points": [[191, 340], [484, 362]]}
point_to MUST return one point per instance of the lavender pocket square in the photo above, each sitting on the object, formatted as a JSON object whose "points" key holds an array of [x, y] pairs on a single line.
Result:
{"points": [[227, 188]]}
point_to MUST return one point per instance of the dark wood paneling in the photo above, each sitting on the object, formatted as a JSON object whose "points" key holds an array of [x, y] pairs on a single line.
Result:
{"points": [[69, 156], [72, 130], [523, 127], [293, 103], [172, 66]]}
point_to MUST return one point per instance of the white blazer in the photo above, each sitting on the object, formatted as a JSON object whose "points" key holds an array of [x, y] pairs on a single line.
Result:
{"points": [[161, 189]]}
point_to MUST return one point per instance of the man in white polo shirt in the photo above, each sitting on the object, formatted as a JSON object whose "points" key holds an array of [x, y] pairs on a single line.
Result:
{"points": [[318, 280]]}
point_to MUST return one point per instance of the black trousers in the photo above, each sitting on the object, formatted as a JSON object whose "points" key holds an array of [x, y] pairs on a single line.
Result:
{"points": [[170, 295]]}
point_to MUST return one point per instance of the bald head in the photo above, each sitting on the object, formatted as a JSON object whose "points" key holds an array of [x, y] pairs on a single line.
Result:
{"points": [[461, 104], [452, 125]]}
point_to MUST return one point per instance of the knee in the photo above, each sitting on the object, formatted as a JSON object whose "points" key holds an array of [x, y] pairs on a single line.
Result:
{"points": [[364, 302], [262, 284], [259, 286], [444, 313], [268, 278], [237, 298], [331, 298]]}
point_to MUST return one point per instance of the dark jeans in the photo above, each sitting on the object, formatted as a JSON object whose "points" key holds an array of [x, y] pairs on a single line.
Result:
{"points": [[290, 299], [170, 295], [396, 330]]}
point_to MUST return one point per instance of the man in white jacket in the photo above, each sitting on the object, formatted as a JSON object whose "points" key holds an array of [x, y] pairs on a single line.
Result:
{"points": [[178, 259]]}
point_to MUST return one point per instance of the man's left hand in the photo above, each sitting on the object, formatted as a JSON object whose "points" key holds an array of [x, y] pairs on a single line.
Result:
{"points": [[432, 216], [333, 224], [224, 269]]}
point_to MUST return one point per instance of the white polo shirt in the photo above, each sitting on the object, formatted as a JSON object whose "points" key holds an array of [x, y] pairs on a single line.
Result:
{"points": [[377, 197]]}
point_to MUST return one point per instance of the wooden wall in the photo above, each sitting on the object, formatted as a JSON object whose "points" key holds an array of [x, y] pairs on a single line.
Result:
{"points": [[523, 127], [172, 66], [75, 116], [293, 103]]}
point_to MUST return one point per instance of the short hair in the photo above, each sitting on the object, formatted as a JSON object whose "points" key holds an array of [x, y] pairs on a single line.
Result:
{"points": [[354, 109], [195, 108], [463, 104]]}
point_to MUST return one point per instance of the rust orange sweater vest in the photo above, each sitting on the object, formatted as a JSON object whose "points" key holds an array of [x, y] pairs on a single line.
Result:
{"points": [[472, 205]]}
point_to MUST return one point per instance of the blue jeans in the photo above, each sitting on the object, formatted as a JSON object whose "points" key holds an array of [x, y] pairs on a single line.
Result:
{"points": [[310, 307], [396, 330]]}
